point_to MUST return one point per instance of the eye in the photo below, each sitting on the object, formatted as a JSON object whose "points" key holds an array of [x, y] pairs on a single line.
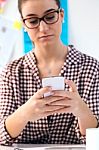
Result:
{"points": [[33, 20], [50, 16]]}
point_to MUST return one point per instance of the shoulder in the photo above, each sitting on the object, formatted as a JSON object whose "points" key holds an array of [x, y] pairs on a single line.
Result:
{"points": [[86, 61], [15, 67]]}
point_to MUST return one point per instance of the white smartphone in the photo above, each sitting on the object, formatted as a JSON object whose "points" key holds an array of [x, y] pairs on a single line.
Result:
{"points": [[56, 82]]}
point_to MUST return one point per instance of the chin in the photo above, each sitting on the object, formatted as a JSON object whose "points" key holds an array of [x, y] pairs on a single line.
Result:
{"points": [[47, 43]]}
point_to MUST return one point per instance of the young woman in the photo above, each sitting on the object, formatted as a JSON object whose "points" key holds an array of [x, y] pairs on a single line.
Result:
{"points": [[26, 116]]}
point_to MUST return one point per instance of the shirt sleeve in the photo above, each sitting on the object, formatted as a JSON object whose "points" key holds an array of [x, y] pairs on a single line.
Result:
{"points": [[93, 102], [91, 98], [7, 106]]}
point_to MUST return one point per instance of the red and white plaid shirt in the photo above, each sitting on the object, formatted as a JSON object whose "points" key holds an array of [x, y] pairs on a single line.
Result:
{"points": [[20, 80]]}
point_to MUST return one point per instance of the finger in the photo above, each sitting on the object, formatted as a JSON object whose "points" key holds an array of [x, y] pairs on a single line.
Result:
{"points": [[58, 111], [40, 93], [64, 110], [51, 108], [72, 85], [63, 102], [64, 94], [50, 99]]}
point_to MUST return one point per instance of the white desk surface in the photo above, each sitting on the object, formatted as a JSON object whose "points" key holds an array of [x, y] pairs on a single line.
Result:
{"points": [[43, 147]]}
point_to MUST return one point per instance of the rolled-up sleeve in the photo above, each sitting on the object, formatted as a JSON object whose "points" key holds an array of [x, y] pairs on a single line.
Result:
{"points": [[93, 103], [91, 97], [7, 105]]}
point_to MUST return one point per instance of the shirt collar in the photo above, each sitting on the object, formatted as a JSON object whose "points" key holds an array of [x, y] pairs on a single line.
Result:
{"points": [[73, 57]]}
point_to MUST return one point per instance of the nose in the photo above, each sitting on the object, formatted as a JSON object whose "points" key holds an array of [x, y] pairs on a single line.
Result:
{"points": [[43, 26]]}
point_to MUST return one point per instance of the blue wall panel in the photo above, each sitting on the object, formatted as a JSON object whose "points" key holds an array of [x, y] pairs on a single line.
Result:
{"points": [[64, 35]]}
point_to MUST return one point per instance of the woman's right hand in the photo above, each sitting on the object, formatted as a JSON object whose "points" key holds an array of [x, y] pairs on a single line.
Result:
{"points": [[35, 108], [39, 106]]}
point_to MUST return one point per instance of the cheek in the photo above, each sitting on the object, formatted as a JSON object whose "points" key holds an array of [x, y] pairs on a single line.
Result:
{"points": [[58, 28], [32, 35]]}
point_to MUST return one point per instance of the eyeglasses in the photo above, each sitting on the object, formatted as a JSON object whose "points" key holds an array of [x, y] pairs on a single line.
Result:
{"points": [[50, 18]]}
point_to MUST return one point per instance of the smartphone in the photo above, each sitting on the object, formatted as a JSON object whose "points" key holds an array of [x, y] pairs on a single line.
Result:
{"points": [[56, 82]]}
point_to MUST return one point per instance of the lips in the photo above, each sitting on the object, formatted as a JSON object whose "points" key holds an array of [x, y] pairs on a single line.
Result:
{"points": [[45, 36]]}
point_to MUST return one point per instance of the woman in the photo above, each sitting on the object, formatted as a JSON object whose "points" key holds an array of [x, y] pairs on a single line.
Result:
{"points": [[62, 118]]}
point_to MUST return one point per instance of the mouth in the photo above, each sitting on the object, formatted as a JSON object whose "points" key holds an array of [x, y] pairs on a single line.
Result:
{"points": [[45, 36]]}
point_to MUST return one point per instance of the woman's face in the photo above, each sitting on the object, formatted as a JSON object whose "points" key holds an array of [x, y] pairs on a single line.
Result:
{"points": [[43, 33]]}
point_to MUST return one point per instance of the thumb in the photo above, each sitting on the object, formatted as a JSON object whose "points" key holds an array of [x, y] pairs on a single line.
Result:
{"points": [[40, 93], [72, 85]]}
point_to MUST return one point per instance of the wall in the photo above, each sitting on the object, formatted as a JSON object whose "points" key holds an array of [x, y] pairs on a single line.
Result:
{"points": [[11, 38], [11, 10], [83, 23]]}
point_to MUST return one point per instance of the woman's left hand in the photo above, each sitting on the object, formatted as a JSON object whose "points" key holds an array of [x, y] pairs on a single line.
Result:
{"points": [[71, 100]]}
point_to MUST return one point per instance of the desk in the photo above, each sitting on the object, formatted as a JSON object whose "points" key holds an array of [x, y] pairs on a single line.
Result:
{"points": [[44, 147]]}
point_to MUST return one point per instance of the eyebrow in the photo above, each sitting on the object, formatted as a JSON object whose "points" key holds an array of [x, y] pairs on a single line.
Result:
{"points": [[47, 11]]}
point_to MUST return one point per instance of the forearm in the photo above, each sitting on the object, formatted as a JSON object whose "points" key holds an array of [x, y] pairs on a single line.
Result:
{"points": [[86, 120], [16, 122]]}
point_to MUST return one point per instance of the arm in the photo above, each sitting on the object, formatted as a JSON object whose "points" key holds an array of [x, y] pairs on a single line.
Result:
{"points": [[89, 118], [73, 103], [34, 109], [80, 109], [7, 108], [14, 117]]}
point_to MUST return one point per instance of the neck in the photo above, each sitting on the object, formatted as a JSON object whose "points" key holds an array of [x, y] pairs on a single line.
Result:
{"points": [[48, 54], [50, 60]]}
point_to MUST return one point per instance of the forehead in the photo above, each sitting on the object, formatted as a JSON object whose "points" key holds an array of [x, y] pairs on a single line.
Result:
{"points": [[37, 7]]}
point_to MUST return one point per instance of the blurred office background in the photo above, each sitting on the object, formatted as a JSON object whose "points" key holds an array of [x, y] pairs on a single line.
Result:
{"points": [[80, 28]]}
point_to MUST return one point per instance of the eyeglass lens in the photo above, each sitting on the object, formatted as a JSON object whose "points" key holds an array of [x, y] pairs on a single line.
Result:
{"points": [[49, 18]]}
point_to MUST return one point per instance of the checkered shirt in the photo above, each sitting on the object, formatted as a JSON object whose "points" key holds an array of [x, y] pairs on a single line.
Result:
{"points": [[20, 80]]}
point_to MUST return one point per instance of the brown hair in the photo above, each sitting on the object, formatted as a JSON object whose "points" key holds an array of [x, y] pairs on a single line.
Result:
{"points": [[20, 2]]}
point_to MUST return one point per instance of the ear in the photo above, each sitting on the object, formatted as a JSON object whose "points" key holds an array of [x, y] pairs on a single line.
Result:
{"points": [[62, 14]]}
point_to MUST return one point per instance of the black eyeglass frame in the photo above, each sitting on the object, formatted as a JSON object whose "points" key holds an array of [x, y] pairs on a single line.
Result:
{"points": [[43, 18]]}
